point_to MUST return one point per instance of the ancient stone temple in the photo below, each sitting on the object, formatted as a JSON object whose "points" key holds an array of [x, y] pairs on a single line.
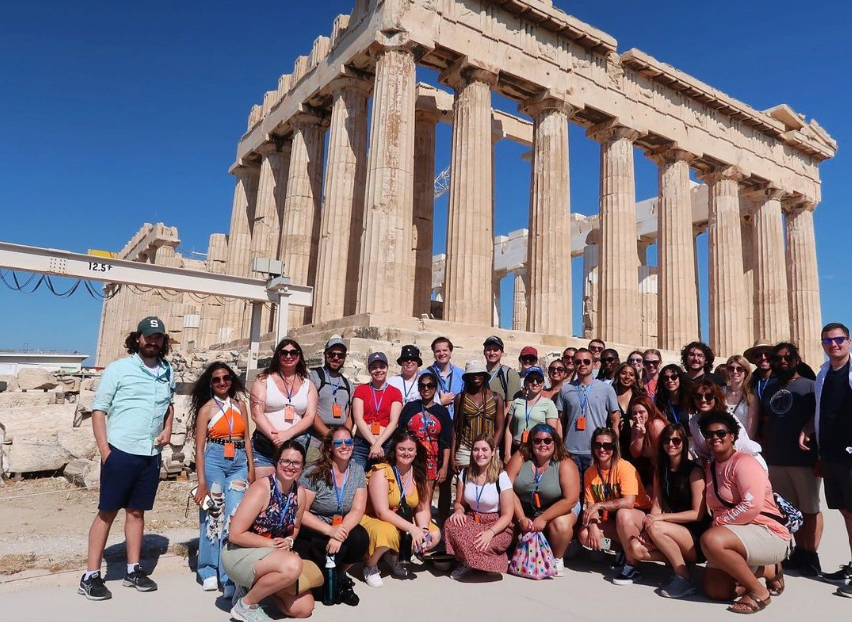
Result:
{"points": [[356, 222]]}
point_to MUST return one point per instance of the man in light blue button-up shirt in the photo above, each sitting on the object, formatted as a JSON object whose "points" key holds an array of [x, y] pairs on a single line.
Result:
{"points": [[132, 418]]}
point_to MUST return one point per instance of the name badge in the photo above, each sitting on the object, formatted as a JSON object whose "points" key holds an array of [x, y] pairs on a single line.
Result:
{"points": [[337, 411], [525, 436], [376, 427], [336, 520], [581, 424], [289, 413], [230, 450]]}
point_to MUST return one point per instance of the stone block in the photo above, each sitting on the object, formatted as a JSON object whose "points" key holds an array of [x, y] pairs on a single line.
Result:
{"points": [[33, 378], [33, 455], [79, 442], [83, 473], [11, 382]]}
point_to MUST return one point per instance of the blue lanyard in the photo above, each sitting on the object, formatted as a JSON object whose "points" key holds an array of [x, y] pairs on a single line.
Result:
{"points": [[527, 410], [425, 419], [446, 385], [378, 405], [478, 490], [338, 492], [225, 415], [334, 387], [537, 475], [405, 391], [606, 486], [289, 390], [675, 415], [399, 483], [761, 387], [583, 395], [278, 498]]}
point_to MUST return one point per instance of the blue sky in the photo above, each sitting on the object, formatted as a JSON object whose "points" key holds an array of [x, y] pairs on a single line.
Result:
{"points": [[114, 114]]}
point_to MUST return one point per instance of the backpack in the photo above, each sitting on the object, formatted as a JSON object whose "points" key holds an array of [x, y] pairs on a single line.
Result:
{"points": [[503, 375], [463, 478], [320, 371], [791, 517]]}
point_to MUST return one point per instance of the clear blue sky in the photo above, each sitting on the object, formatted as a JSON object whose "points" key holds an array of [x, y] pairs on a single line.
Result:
{"points": [[113, 114]]}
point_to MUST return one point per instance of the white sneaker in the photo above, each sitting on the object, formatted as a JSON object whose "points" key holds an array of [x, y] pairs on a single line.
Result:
{"points": [[373, 577], [559, 566], [210, 584], [397, 569], [460, 572]]}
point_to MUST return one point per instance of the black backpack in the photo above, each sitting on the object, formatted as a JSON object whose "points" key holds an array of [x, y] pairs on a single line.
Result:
{"points": [[320, 371]]}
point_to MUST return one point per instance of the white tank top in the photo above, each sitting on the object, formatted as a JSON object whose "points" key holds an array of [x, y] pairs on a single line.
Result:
{"points": [[276, 402]]}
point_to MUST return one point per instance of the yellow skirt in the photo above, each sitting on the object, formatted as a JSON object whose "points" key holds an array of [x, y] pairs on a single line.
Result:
{"points": [[384, 534]]}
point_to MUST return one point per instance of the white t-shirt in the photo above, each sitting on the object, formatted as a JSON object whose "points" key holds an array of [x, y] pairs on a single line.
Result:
{"points": [[489, 498], [406, 385]]}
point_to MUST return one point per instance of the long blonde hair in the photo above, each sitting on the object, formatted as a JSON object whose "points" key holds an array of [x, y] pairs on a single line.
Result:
{"points": [[494, 466], [743, 362]]}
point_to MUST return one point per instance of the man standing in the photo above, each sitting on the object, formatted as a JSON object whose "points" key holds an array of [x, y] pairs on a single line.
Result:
{"points": [[788, 406], [132, 417], [409, 362], [449, 376], [760, 355], [583, 405], [504, 380], [596, 347], [832, 428], [697, 360], [334, 392]]}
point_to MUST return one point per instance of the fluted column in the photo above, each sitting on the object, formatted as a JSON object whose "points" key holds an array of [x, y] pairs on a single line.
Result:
{"points": [[385, 284], [343, 215], [300, 224], [618, 319], [424, 209], [211, 310], [519, 302], [591, 287], [677, 290], [549, 221], [470, 230], [271, 193], [803, 280], [772, 309], [747, 235], [728, 297], [239, 247]]}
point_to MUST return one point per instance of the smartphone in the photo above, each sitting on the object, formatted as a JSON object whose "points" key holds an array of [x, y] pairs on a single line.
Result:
{"points": [[606, 544]]}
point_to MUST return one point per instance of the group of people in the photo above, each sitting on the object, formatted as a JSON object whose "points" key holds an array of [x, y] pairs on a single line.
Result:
{"points": [[679, 464]]}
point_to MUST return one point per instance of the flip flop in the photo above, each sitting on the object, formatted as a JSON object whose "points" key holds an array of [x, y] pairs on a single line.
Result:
{"points": [[745, 607], [776, 585]]}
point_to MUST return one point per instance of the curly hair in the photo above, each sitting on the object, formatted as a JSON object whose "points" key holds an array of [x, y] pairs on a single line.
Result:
{"points": [[559, 451], [131, 344], [274, 366], [321, 467], [202, 391], [494, 466], [719, 416], [418, 467], [709, 357], [708, 385]]}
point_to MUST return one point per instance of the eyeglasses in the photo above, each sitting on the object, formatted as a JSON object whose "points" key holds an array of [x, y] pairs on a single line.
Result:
{"points": [[838, 341], [603, 446], [534, 380], [716, 434], [635, 361], [608, 359], [578, 362], [672, 378], [426, 385], [340, 442], [335, 355], [529, 359], [704, 397], [696, 354], [596, 348], [290, 464], [556, 370], [543, 440], [289, 353], [651, 362], [736, 369], [220, 380], [674, 440], [787, 358]]}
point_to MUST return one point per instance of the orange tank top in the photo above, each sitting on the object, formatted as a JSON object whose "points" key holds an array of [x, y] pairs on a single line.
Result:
{"points": [[226, 422]]}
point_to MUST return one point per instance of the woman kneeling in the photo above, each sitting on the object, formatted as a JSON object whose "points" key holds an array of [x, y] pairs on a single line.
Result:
{"points": [[479, 531]]}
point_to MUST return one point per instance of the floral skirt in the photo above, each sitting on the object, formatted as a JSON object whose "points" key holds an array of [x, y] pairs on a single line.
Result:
{"points": [[460, 541]]}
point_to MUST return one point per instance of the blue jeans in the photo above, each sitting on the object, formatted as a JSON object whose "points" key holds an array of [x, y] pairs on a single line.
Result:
{"points": [[583, 462], [232, 477], [361, 453]]}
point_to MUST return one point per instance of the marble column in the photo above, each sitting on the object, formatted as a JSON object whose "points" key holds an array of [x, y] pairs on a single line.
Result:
{"points": [[591, 288], [211, 310], [271, 193], [648, 295], [300, 222], [385, 284], [618, 319], [343, 213], [495, 287], [728, 298], [239, 247], [677, 301], [747, 235], [424, 202], [772, 308], [519, 302], [470, 232], [549, 220], [803, 281]]}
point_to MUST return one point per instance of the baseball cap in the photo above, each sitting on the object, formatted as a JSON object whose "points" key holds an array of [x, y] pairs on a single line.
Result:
{"points": [[335, 341], [377, 357], [493, 340], [529, 351], [151, 325], [535, 369]]}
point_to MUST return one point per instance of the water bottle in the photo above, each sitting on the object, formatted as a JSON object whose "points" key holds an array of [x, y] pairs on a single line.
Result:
{"points": [[329, 594]]}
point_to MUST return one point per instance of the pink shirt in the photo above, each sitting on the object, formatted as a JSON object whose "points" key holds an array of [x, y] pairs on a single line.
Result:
{"points": [[743, 481]]}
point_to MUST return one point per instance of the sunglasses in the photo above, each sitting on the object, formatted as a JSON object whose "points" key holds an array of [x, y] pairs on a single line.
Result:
{"points": [[340, 442], [716, 434], [635, 361], [578, 362], [529, 359], [764, 355], [220, 380], [596, 348], [704, 397], [543, 440], [426, 385], [336, 355], [838, 341], [289, 353], [736, 369], [556, 370], [651, 362], [674, 440], [787, 358], [608, 359], [603, 446], [534, 380], [670, 378], [290, 464]]}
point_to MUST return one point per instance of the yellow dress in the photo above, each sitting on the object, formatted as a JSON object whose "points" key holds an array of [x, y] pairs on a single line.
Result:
{"points": [[382, 533]]}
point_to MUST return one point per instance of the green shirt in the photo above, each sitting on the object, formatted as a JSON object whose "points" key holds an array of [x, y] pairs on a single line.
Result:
{"points": [[538, 412]]}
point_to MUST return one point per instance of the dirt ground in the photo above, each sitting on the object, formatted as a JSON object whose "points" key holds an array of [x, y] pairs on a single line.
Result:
{"points": [[44, 524]]}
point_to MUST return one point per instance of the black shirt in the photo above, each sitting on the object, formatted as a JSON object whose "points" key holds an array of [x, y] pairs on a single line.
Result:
{"points": [[787, 409], [709, 376], [413, 411], [835, 416]]}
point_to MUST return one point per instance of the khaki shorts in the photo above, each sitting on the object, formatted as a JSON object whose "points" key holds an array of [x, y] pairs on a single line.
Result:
{"points": [[239, 562], [763, 546], [798, 485], [463, 456]]}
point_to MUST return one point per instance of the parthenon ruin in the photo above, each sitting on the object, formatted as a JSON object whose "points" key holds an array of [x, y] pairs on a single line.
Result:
{"points": [[357, 223]]}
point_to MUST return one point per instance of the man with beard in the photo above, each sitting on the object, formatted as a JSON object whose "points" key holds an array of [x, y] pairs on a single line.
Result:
{"points": [[760, 355], [788, 405], [697, 361], [132, 417], [334, 393]]}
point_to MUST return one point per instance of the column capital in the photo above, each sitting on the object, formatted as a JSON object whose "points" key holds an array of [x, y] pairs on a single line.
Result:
{"points": [[274, 144], [344, 82], [612, 130], [796, 205], [245, 171], [765, 193], [427, 116], [721, 173], [391, 42], [548, 100], [467, 71], [307, 118], [669, 154]]}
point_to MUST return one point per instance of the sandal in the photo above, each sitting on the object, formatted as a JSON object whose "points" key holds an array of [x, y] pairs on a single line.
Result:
{"points": [[776, 585], [746, 607]]}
